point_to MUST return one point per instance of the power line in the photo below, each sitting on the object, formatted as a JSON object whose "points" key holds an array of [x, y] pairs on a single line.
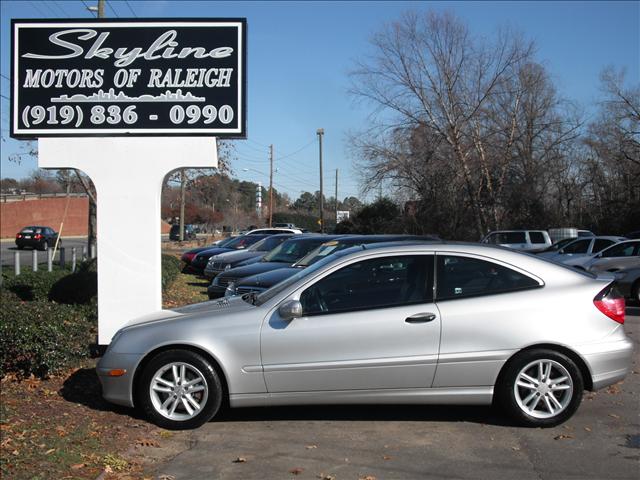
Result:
{"points": [[111, 8], [297, 151], [130, 8], [62, 9], [37, 8], [88, 8], [53, 12]]}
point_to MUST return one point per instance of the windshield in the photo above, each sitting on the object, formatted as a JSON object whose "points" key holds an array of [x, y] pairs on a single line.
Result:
{"points": [[561, 243], [292, 251], [283, 285], [243, 241], [270, 243], [225, 241], [323, 251]]}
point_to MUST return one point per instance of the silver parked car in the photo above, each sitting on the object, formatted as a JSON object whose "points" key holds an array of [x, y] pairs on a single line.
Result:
{"points": [[384, 323], [616, 257], [581, 247]]}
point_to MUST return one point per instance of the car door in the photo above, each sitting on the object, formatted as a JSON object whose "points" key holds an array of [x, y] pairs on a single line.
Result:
{"points": [[487, 310], [617, 257], [371, 324]]}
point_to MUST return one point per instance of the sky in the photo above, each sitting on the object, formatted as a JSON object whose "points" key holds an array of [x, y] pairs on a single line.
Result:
{"points": [[300, 54]]}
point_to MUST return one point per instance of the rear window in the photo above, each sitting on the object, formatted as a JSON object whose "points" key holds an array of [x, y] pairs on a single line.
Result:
{"points": [[537, 237]]}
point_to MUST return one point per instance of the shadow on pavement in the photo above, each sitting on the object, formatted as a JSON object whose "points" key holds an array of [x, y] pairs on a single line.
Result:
{"points": [[380, 413]]}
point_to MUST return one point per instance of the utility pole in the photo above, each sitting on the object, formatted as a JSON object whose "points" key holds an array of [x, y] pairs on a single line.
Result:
{"points": [[183, 188], [336, 197], [100, 8], [320, 133], [270, 184]]}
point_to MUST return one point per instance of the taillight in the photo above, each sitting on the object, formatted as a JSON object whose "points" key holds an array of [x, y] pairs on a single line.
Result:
{"points": [[18, 235], [610, 302], [37, 236]]}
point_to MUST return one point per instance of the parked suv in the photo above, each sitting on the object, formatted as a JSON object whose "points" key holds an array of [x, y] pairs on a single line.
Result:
{"points": [[36, 237], [524, 240]]}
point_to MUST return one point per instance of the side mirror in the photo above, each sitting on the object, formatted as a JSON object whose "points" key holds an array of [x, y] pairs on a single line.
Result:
{"points": [[290, 309]]}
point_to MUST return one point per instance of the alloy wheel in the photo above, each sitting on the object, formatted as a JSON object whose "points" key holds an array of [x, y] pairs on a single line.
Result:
{"points": [[543, 388], [178, 391]]}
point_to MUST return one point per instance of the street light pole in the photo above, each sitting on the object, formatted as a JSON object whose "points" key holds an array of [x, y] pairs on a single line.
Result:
{"points": [[320, 133], [270, 184]]}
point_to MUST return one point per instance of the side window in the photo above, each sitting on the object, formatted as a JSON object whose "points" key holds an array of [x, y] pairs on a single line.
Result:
{"points": [[537, 237], [623, 250], [376, 283], [601, 244], [462, 277], [579, 246]]}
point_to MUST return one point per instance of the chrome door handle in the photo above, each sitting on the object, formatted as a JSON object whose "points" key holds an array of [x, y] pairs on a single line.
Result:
{"points": [[421, 318]]}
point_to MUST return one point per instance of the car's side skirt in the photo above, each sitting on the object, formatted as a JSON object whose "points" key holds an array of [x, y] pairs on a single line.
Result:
{"points": [[482, 395]]}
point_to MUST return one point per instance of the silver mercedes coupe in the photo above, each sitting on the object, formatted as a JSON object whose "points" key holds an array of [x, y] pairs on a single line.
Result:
{"points": [[403, 323]]}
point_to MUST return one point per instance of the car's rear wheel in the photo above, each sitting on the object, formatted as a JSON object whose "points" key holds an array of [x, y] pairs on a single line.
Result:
{"points": [[179, 389], [44, 245], [541, 388]]}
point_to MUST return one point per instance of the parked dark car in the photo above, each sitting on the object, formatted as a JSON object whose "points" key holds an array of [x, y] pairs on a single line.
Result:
{"points": [[628, 281], [225, 261], [242, 242], [282, 256], [36, 236], [559, 244], [263, 281], [189, 232], [634, 235], [189, 255]]}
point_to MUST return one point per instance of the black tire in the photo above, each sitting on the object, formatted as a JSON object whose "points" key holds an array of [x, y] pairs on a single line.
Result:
{"points": [[510, 398], [44, 246], [212, 398]]}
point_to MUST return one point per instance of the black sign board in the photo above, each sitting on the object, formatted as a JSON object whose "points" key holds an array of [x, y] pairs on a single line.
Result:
{"points": [[128, 77]]}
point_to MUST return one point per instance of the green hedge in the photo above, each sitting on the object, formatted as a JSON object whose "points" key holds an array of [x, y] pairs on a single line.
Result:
{"points": [[32, 286], [41, 338], [170, 270]]}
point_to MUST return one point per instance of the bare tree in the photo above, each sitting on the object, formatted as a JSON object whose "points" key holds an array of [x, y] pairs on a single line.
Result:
{"points": [[427, 70]]}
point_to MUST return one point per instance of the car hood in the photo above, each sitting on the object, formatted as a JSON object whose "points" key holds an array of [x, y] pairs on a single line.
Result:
{"points": [[268, 279], [212, 307], [253, 269], [200, 249]]}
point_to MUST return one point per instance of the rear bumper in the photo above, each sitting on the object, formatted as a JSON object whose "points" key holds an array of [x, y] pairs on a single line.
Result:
{"points": [[608, 362]]}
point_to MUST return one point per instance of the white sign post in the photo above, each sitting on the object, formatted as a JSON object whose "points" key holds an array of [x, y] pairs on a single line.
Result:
{"points": [[128, 174]]}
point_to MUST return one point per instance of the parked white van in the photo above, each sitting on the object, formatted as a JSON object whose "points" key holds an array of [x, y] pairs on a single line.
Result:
{"points": [[524, 240]]}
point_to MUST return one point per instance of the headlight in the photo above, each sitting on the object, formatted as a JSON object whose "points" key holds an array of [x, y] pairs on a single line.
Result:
{"points": [[227, 267], [231, 290]]}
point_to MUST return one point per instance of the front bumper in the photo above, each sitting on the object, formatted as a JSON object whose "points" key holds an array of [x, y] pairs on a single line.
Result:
{"points": [[118, 390]]}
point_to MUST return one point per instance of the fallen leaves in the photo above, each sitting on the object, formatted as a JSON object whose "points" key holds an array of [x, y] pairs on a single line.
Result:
{"points": [[613, 415], [296, 471], [326, 476], [239, 460], [367, 477], [145, 442], [310, 447], [562, 436]]}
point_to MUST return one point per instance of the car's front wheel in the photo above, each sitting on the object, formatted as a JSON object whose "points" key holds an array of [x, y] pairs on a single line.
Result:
{"points": [[541, 388], [179, 389]]}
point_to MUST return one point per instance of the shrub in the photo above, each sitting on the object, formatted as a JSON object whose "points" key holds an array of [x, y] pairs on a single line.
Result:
{"points": [[41, 338], [30, 286], [80, 287], [170, 270]]}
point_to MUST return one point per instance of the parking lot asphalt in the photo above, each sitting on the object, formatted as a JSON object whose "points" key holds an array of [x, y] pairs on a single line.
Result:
{"points": [[601, 441]]}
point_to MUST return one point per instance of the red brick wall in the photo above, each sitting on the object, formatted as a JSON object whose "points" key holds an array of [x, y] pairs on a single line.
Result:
{"points": [[49, 212], [45, 211]]}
